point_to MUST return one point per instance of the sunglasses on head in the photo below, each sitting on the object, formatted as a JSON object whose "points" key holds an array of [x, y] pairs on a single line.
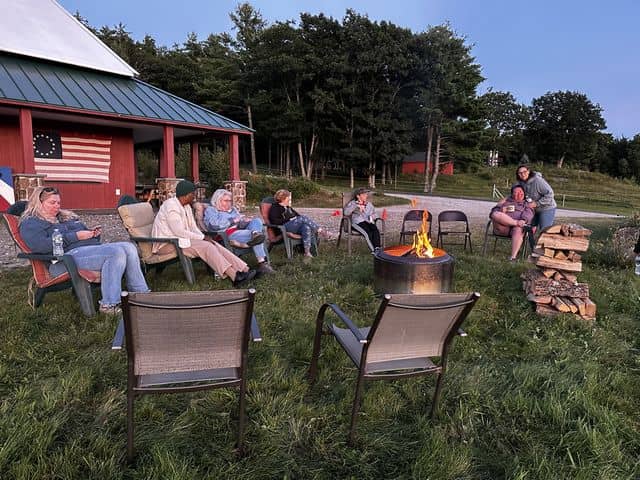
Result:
{"points": [[49, 190]]}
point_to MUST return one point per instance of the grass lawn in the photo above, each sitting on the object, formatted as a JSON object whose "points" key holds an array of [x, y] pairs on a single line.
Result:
{"points": [[524, 397]]}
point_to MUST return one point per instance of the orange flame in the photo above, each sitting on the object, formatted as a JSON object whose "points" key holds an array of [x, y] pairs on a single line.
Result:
{"points": [[421, 244]]}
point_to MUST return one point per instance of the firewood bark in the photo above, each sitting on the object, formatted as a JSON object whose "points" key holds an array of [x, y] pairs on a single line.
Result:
{"points": [[540, 285], [546, 299], [542, 309]]}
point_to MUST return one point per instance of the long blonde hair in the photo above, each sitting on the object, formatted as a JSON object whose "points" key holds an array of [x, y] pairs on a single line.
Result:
{"points": [[34, 205]]}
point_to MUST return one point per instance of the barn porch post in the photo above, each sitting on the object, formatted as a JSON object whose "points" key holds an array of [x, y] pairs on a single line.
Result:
{"points": [[166, 183], [237, 187], [26, 181]]}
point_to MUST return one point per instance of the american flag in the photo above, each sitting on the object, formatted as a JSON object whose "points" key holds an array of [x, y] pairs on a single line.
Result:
{"points": [[69, 157]]}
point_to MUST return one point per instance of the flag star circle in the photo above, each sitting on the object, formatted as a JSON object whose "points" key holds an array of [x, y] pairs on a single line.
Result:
{"points": [[50, 144]]}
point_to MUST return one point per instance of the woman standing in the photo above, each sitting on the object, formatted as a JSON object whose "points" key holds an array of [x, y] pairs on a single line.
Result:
{"points": [[539, 194], [43, 215]]}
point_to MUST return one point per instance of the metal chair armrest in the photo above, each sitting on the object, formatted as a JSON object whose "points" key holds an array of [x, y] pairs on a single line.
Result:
{"points": [[348, 322], [45, 257]]}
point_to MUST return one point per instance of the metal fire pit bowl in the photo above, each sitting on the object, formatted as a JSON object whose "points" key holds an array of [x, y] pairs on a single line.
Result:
{"points": [[411, 274]]}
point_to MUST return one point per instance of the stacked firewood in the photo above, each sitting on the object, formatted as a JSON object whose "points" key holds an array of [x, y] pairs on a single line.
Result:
{"points": [[553, 285]]}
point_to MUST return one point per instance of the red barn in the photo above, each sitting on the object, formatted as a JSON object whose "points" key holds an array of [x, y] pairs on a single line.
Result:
{"points": [[415, 164], [72, 110]]}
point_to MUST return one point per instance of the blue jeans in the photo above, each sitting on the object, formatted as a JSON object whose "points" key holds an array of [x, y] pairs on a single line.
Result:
{"points": [[113, 260], [542, 219], [244, 236], [304, 226]]}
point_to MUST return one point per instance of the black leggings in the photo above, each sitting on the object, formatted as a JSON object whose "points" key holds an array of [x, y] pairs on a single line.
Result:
{"points": [[372, 232]]}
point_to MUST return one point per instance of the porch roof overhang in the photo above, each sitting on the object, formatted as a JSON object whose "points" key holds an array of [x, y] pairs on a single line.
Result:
{"points": [[62, 93]]}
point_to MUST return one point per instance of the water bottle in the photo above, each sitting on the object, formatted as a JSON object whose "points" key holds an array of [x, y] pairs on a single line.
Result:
{"points": [[58, 243], [637, 264]]}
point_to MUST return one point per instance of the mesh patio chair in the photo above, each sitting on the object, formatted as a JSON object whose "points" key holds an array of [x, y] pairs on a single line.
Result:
{"points": [[350, 229], [411, 223], [277, 234], [490, 232], [137, 219], [43, 282], [456, 224], [407, 332], [222, 237], [184, 342]]}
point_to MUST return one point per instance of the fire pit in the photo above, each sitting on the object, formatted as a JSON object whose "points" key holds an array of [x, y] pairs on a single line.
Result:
{"points": [[417, 268]]}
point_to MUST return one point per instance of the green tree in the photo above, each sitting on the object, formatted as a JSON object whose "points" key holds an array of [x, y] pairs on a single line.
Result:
{"points": [[564, 126], [446, 80]]}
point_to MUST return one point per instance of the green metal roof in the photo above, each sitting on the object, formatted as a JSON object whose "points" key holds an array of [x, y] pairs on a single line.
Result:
{"points": [[51, 84]]}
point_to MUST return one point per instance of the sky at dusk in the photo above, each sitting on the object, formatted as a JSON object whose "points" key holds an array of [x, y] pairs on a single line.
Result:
{"points": [[526, 48]]}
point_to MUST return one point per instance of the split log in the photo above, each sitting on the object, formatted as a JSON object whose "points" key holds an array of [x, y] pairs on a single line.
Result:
{"points": [[576, 230], [546, 299], [579, 303], [570, 277], [549, 272], [560, 305], [558, 276], [558, 264], [561, 242], [590, 308], [553, 229], [549, 252], [542, 309], [569, 303], [560, 255], [573, 256]]}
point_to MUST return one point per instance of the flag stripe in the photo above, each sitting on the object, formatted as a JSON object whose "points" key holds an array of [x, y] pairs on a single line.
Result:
{"points": [[49, 161], [59, 168], [80, 155]]}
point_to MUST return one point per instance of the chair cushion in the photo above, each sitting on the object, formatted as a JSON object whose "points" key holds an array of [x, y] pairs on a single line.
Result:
{"points": [[138, 220]]}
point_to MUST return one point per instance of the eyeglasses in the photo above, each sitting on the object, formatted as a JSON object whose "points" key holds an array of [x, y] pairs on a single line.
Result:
{"points": [[49, 190], [520, 172]]}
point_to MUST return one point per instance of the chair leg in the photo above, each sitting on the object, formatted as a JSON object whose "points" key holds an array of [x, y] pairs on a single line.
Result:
{"points": [[82, 289], [436, 395], [241, 417], [355, 408], [288, 248], [38, 297], [317, 341], [187, 268], [130, 403]]}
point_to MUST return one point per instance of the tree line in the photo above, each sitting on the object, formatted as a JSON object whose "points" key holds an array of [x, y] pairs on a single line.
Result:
{"points": [[354, 96]]}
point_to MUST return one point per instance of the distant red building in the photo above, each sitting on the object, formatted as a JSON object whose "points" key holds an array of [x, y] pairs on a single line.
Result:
{"points": [[415, 164]]}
